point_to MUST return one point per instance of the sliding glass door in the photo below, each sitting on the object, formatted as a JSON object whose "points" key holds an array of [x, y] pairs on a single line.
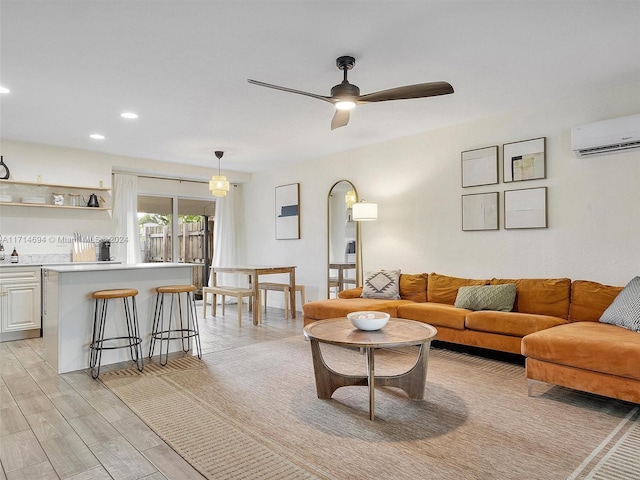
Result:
{"points": [[189, 239]]}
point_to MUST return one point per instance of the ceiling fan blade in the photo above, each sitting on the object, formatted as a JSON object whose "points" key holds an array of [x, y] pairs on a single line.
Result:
{"points": [[291, 90], [340, 119], [419, 90]]}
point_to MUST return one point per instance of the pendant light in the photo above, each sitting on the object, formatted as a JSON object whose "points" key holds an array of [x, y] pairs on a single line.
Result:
{"points": [[350, 198], [219, 185]]}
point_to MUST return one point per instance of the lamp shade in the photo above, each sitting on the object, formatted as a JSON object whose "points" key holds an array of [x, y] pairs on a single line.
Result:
{"points": [[219, 186], [364, 211]]}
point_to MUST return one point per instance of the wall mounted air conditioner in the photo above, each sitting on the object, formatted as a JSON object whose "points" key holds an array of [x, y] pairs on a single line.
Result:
{"points": [[605, 137]]}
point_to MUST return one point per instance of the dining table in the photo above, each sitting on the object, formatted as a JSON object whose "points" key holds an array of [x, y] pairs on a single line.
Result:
{"points": [[254, 272]]}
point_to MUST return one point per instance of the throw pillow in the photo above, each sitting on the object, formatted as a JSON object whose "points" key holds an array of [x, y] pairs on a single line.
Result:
{"points": [[384, 284], [624, 311], [444, 289], [413, 287], [487, 297]]}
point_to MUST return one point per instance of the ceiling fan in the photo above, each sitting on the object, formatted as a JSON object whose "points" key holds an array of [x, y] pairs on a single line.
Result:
{"points": [[345, 96]]}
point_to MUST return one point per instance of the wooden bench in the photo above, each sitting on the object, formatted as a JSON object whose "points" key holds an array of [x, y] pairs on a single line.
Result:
{"points": [[237, 292], [281, 287]]}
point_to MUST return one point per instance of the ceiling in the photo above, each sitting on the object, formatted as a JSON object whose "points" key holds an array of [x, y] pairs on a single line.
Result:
{"points": [[73, 67]]}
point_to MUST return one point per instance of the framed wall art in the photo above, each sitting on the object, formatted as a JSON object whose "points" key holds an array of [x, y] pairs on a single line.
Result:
{"points": [[288, 212], [526, 208], [480, 211], [524, 160], [480, 166]]}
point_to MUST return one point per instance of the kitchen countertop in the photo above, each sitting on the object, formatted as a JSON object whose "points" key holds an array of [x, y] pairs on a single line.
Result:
{"points": [[53, 264], [76, 267]]}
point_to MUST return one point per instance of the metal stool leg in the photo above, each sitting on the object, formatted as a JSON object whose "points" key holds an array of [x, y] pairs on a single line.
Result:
{"points": [[194, 317], [98, 337], [154, 327], [162, 331], [135, 341], [182, 329]]}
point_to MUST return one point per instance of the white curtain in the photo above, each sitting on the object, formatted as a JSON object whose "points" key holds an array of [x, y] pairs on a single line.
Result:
{"points": [[126, 244], [224, 239]]}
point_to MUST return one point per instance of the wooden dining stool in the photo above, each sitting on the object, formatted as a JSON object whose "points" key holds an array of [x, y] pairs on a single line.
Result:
{"points": [[185, 330], [286, 289], [131, 340], [237, 292]]}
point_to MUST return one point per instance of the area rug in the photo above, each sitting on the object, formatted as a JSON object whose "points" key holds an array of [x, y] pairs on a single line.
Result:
{"points": [[252, 412]]}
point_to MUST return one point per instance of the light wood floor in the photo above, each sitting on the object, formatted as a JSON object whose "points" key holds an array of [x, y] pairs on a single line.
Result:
{"points": [[70, 426]]}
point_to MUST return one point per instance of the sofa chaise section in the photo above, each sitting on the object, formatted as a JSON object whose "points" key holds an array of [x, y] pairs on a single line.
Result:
{"points": [[585, 354]]}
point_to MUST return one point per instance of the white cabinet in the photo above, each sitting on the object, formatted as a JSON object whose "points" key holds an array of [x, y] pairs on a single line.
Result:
{"points": [[20, 298]]}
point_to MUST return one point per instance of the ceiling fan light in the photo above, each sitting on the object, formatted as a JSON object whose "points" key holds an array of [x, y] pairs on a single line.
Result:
{"points": [[345, 105], [219, 186]]}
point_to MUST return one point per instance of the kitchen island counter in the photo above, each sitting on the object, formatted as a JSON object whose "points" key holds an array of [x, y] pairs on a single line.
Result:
{"points": [[68, 307], [107, 266]]}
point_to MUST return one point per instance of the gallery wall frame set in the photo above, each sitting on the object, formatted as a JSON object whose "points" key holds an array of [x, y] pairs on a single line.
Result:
{"points": [[523, 208], [287, 212]]}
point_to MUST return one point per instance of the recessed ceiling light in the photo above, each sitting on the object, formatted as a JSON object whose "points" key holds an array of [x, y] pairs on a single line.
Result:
{"points": [[97, 136], [129, 115], [4, 90]]}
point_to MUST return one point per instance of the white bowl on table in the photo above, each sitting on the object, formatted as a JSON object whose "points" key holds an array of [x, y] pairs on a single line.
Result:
{"points": [[368, 320]]}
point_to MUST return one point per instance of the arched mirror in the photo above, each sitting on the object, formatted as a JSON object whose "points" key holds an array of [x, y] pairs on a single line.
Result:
{"points": [[343, 242]]}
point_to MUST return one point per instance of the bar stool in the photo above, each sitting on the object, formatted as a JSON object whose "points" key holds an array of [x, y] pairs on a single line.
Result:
{"points": [[185, 332], [133, 340]]}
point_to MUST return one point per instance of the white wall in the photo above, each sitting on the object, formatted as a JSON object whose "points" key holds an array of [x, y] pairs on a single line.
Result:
{"points": [[593, 204]]}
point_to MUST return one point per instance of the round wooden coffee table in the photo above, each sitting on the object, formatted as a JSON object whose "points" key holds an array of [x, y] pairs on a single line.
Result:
{"points": [[396, 333]]}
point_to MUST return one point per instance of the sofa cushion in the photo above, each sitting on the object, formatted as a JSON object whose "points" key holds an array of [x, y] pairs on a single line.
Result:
{"points": [[351, 293], [413, 287], [444, 289], [510, 323], [436, 314], [594, 346], [625, 309], [589, 300], [383, 284], [541, 296], [339, 307], [487, 297]]}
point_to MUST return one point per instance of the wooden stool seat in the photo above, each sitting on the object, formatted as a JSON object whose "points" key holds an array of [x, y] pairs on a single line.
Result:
{"points": [[115, 293], [282, 287], [224, 291], [176, 289]]}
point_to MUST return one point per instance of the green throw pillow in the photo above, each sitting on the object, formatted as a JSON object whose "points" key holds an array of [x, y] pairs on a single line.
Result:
{"points": [[487, 297]]}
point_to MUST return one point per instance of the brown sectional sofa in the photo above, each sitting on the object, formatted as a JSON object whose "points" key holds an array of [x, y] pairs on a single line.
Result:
{"points": [[554, 324]]}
